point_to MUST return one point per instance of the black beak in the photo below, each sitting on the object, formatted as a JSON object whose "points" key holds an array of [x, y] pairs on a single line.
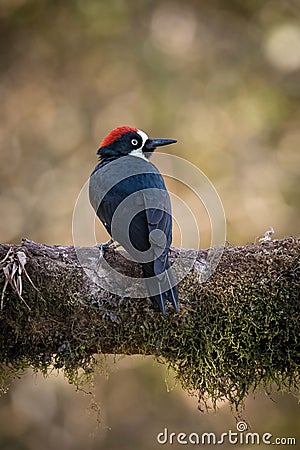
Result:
{"points": [[151, 144]]}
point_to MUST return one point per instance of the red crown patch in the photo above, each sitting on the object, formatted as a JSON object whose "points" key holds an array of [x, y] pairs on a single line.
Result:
{"points": [[116, 134]]}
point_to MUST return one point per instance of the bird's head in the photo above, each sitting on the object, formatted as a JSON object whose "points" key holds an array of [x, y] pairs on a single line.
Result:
{"points": [[124, 141]]}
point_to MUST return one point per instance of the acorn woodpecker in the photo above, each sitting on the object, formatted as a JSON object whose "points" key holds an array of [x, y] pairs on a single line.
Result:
{"points": [[130, 198]]}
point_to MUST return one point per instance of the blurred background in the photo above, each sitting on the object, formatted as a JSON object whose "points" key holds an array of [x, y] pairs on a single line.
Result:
{"points": [[221, 77]]}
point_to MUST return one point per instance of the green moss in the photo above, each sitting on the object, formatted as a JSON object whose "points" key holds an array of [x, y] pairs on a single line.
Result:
{"points": [[237, 331]]}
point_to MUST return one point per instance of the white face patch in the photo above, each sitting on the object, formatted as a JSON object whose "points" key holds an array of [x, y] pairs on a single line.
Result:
{"points": [[139, 151]]}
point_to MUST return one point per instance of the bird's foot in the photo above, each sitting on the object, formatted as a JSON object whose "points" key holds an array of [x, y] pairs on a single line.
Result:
{"points": [[105, 245]]}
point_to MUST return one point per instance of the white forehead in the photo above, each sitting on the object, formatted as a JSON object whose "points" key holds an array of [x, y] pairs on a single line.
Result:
{"points": [[143, 135]]}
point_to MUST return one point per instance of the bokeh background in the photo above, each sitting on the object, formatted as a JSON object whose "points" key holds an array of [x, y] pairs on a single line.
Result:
{"points": [[221, 77]]}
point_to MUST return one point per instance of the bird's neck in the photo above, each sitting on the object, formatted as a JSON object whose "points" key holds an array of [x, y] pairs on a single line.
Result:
{"points": [[102, 162]]}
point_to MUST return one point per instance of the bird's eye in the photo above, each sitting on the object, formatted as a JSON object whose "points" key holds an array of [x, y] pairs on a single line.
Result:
{"points": [[134, 142]]}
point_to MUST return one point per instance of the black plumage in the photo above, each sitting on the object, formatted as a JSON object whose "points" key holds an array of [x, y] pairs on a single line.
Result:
{"points": [[130, 198]]}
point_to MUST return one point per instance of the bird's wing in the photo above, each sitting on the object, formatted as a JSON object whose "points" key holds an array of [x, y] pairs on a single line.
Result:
{"points": [[148, 207], [159, 222], [159, 217]]}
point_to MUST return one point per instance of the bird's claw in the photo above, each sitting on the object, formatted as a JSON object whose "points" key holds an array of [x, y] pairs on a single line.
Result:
{"points": [[104, 245]]}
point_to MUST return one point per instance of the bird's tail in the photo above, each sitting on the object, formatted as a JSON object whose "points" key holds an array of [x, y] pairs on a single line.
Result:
{"points": [[161, 285]]}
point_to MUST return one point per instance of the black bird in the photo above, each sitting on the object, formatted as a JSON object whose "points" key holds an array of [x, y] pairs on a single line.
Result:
{"points": [[130, 198]]}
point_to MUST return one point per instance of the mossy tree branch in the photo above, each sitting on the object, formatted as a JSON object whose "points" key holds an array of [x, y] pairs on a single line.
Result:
{"points": [[234, 332]]}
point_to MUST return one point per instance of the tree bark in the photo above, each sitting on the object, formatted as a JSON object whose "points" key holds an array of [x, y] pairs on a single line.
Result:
{"points": [[238, 328]]}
